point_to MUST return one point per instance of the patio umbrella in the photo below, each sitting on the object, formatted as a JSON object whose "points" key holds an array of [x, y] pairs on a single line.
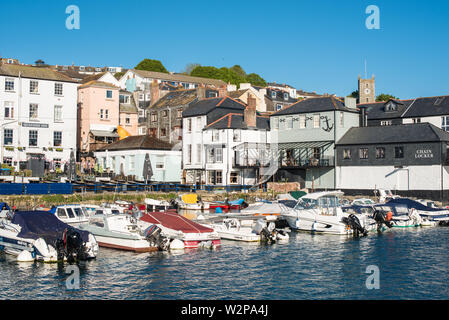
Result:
{"points": [[147, 170], [72, 167]]}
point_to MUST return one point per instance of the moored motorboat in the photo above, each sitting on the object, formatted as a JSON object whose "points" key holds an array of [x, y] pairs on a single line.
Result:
{"points": [[154, 205], [41, 236], [247, 230], [418, 213], [72, 214], [321, 212], [175, 226], [118, 231]]}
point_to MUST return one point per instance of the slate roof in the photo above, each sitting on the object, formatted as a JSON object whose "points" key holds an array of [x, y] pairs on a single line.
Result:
{"points": [[403, 133], [138, 142], [98, 84], [214, 107], [176, 98], [320, 104], [376, 110], [91, 77], [236, 121], [237, 94], [410, 108], [13, 70], [178, 77], [279, 96], [429, 106]]}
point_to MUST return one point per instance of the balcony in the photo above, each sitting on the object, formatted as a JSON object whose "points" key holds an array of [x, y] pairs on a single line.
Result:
{"points": [[326, 161]]}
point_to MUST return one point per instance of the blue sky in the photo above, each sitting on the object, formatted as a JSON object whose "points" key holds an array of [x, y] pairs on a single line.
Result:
{"points": [[316, 45]]}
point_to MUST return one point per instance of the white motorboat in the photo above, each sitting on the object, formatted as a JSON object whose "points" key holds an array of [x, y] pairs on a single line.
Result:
{"points": [[362, 202], [411, 213], [320, 212], [385, 195], [175, 226], [118, 231], [247, 230], [41, 236], [72, 214], [153, 205]]}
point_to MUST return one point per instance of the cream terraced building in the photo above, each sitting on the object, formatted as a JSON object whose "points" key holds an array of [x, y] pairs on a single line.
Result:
{"points": [[38, 120]]}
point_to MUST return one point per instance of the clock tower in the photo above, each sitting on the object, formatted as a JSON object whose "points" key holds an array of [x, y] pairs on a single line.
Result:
{"points": [[366, 90]]}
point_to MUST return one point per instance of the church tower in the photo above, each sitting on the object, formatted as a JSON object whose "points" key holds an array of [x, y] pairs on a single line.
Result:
{"points": [[367, 90]]}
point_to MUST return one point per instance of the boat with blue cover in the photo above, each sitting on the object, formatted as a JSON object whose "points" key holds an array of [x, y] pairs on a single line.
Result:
{"points": [[41, 236]]}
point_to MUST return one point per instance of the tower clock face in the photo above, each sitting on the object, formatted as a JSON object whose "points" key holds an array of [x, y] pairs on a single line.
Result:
{"points": [[367, 91]]}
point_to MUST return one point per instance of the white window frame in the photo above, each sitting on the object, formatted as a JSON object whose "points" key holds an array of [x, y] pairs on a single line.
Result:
{"points": [[58, 89], [34, 115], [54, 138], [302, 122], [289, 123], [9, 135], [34, 86], [8, 105], [9, 84], [316, 121], [58, 113], [29, 137], [198, 153], [199, 124], [218, 155]]}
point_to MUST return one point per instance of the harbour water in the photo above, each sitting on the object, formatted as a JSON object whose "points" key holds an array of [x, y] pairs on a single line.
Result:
{"points": [[413, 264]]}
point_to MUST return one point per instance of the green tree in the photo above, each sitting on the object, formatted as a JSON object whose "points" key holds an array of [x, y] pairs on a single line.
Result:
{"points": [[151, 65], [354, 94], [234, 75], [189, 68], [256, 80], [238, 70], [385, 97]]}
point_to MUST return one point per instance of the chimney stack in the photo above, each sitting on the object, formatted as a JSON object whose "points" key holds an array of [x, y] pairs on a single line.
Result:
{"points": [[154, 91], [201, 92], [249, 115], [222, 91], [350, 102]]}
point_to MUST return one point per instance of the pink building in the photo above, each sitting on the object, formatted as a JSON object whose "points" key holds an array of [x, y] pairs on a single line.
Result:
{"points": [[98, 118]]}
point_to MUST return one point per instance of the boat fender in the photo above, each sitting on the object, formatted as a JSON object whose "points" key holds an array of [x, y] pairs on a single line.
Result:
{"points": [[389, 216], [176, 244], [218, 210], [42, 247], [25, 256]]}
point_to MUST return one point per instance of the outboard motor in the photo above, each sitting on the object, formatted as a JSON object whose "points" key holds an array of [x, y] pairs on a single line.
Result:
{"points": [[154, 237], [380, 218], [71, 246], [174, 204], [267, 232], [354, 223]]}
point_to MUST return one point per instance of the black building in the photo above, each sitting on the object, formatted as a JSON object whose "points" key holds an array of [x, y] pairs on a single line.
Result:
{"points": [[412, 159]]}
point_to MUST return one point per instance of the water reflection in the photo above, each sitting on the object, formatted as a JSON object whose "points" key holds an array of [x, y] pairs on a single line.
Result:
{"points": [[412, 265]]}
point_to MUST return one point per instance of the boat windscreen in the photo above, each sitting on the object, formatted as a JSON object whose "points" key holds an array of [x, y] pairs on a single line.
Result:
{"points": [[79, 212]]}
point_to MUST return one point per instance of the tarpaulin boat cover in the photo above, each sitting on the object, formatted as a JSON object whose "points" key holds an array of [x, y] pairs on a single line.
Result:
{"points": [[412, 204], [174, 221], [42, 224], [190, 198]]}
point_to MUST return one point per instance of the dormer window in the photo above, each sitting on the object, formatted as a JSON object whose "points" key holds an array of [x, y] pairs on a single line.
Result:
{"points": [[438, 101], [273, 94], [285, 96], [82, 68], [391, 106]]}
